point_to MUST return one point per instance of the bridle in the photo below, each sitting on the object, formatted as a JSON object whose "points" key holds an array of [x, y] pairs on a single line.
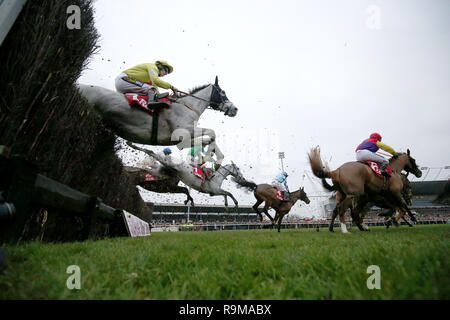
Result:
{"points": [[212, 102], [229, 171]]}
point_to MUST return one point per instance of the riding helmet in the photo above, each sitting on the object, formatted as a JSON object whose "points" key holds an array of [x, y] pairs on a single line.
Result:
{"points": [[165, 64], [376, 136]]}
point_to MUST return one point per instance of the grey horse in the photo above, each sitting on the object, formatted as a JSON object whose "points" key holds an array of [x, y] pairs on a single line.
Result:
{"points": [[177, 124], [184, 172]]}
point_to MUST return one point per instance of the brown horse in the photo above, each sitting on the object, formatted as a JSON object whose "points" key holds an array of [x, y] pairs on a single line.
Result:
{"points": [[369, 200], [164, 183], [268, 194], [354, 180]]}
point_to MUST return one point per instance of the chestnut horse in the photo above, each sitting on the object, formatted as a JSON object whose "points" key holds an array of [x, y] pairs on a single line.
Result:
{"points": [[268, 194], [354, 180], [369, 200]]}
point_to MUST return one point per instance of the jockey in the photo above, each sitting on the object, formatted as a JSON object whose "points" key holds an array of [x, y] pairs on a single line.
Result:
{"points": [[366, 152], [145, 79], [280, 183], [195, 156], [166, 153]]}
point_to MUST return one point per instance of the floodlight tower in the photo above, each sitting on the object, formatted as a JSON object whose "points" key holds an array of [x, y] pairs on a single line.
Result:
{"points": [[281, 157]]}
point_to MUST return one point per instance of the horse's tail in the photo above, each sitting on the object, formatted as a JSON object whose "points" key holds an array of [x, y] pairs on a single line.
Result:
{"points": [[328, 186], [242, 183], [319, 169]]}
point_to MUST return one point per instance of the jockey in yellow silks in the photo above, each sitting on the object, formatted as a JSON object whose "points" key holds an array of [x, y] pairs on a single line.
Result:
{"points": [[144, 78]]}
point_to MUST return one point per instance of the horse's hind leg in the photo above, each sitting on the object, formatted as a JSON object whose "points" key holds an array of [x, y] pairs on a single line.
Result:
{"points": [[266, 212], [225, 194], [255, 207], [342, 210], [357, 213], [407, 222], [333, 217], [340, 197], [189, 198]]}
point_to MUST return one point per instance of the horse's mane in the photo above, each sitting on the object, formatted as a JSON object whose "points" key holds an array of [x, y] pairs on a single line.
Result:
{"points": [[197, 89]]}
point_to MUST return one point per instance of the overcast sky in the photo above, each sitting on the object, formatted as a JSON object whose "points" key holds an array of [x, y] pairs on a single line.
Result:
{"points": [[302, 73]]}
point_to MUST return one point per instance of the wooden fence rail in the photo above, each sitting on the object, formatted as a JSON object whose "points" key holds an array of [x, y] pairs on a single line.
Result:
{"points": [[30, 191]]}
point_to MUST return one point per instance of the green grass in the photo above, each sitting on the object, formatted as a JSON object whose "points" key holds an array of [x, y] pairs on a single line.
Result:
{"points": [[255, 264]]}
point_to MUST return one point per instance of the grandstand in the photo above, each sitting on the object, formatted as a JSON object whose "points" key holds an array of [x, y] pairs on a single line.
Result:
{"points": [[176, 213]]}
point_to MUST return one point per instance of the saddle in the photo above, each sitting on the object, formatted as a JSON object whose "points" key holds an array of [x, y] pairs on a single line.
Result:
{"points": [[199, 173], [153, 108], [376, 168], [149, 177], [141, 101], [279, 195]]}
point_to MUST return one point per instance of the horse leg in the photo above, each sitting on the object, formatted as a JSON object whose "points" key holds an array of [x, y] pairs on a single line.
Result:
{"points": [[358, 213], [333, 217], [266, 212], [356, 218], [226, 194], [213, 147], [226, 201], [255, 207], [275, 219], [407, 222], [280, 218], [189, 198], [233, 198], [340, 197], [410, 214], [342, 210], [208, 138]]}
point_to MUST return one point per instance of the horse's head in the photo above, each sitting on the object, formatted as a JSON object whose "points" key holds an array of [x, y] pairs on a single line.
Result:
{"points": [[303, 195], [232, 169], [219, 100], [410, 164]]}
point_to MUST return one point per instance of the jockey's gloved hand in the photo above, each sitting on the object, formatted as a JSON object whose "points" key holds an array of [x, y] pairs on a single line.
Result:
{"points": [[175, 91]]}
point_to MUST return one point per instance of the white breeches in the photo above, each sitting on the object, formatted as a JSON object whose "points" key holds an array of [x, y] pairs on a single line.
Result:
{"points": [[279, 185], [123, 86], [364, 155]]}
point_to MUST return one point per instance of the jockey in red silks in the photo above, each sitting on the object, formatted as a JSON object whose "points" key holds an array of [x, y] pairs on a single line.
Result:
{"points": [[144, 79], [366, 151]]}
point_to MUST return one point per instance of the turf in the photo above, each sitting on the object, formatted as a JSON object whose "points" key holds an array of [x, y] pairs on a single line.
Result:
{"points": [[254, 264]]}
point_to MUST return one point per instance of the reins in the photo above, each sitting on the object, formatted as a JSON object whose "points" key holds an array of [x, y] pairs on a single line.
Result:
{"points": [[191, 95], [189, 107]]}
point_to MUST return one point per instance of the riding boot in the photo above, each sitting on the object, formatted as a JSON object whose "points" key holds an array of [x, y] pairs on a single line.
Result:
{"points": [[383, 167], [285, 195]]}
